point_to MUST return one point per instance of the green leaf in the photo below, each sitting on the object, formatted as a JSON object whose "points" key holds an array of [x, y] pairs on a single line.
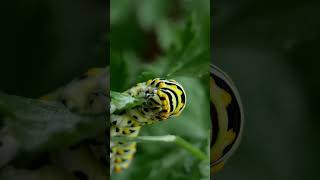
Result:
{"points": [[150, 12], [193, 57], [146, 75], [195, 64], [120, 101], [120, 10]]}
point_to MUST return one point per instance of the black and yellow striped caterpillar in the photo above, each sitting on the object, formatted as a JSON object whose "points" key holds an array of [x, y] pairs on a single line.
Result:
{"points": [[163, 99], [87, 95], [226, 117]]}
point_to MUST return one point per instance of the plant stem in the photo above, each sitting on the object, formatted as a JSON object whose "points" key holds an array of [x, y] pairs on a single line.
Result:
{"points": [[167, 138], [189, 147]]}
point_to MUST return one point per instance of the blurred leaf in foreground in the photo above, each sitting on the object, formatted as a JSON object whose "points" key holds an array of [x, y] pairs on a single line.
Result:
{"points": [[39, 125]]}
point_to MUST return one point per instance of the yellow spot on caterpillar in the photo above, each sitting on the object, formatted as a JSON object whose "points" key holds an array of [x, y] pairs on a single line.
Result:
{"points": [[120, 152], [135, 124], [118, 160], [129, 157], [117, 169], [149, 81], [165, 103], [230, 136], [126, 165], [162, 85], [226, 98], [216, 168]]}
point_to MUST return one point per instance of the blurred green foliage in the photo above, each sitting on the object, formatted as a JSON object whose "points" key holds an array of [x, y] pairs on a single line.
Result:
{"points": [[270, 49], [167, 39], [40, 126]]}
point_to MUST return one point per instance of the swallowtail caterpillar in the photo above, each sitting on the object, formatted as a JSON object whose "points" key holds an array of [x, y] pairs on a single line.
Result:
{"points": [[226, 118], [163, 99], [86, 95]]}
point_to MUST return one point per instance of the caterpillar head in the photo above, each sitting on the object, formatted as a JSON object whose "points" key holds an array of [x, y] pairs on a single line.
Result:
{"points": [[165, 98]]}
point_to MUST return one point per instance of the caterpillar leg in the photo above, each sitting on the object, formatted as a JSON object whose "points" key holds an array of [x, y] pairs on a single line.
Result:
{"points": [[121, 153]]}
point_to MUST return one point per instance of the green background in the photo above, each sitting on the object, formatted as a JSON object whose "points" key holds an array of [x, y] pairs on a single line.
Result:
{"points": [[166, 39]]}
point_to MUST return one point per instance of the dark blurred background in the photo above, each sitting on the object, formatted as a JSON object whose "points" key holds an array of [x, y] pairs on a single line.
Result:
{"points": [[270, 49], [47, 43]]}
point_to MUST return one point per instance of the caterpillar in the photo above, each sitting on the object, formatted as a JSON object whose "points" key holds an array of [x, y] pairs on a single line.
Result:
{"points": [[163, 99], [226, 117], [87, 95]]}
